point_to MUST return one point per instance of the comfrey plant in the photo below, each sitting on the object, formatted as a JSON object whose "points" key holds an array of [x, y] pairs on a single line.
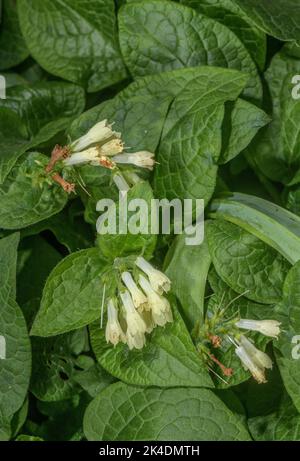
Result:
{"points": [[218, 330], [136, 303], [100, 146]]}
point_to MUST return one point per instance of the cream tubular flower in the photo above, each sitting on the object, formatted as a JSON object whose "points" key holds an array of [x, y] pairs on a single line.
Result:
{"points": [[113, 333], [99, 133], [113, 147], [88, 155], [159, 306], [142, 159], [136, 327], [266, 327], [138, 297], [249, 364], [259, 357], [158, 280]]}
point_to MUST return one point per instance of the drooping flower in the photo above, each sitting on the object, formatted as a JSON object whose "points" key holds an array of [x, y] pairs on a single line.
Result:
{"points": [[138, 297], [136, 326], [159, 306], [259, 357], [249, 364], [269, 328], [142, 159], [113, 333], [99, 133], [158, 280], [85, 156]]}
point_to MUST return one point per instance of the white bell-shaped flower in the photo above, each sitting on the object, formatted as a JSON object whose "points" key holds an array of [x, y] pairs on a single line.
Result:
{"points": [[159, 306], [269, 328], [136, 327], [138, 297], [158, 280], [142, 159], [99, 133], [113, 333]]}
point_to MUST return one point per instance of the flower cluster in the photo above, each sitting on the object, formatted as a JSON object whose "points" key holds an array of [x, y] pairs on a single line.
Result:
{"points": [[103, 146], [218, 330], [139, 305]]}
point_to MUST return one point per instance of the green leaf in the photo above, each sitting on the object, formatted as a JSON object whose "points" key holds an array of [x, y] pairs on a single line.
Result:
{"points": [[275, 151], [15, 367], [53, 368], [13, 140], [228, 13], [282, 425], [28, 438], [158, 36], [33, 115], [13, 49], [74, 42], [245, 262], [188, 285], [168, 359], [94, 379], [72, 294], [123, 412], [43, 103], [290, 373], [243, 123], [291, 296], [36, 258], [113, 246], [272, 224], [192, 135], [26, 198], [280, 19]]}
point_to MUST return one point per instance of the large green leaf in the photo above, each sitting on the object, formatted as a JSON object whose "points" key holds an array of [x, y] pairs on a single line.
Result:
{"points": [[228, 13], [274, 225], [280, 18], [192, 136], [33, 115], [13, 49], [290, 372], [158, 36], [25, 199], [168, 359], [73, 40], [72, 294], [15, 367], [275, 151], [246, 263], [123, 412]]}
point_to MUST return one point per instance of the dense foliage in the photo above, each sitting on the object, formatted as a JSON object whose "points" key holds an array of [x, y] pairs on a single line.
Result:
{"points": [[209, 87]]}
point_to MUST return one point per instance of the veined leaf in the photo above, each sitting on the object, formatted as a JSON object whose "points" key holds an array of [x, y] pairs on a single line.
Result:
{"points": [[158, 36], [246, 263], [160, 414], [72, 294], [169, 358], [74, 41], [274, 225]]}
